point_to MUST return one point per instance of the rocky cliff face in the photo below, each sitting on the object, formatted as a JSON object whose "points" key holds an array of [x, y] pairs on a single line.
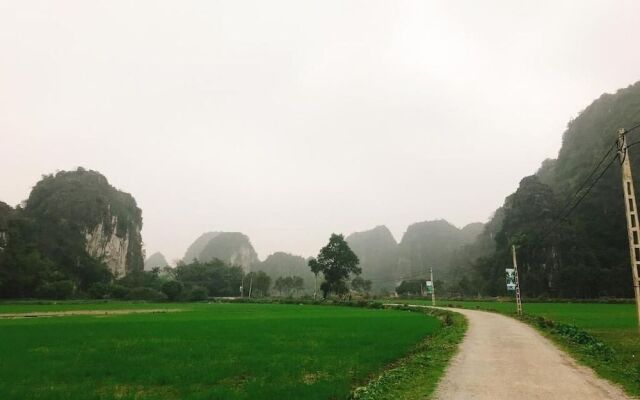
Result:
{"points": [[102, 243], [80, 208]]}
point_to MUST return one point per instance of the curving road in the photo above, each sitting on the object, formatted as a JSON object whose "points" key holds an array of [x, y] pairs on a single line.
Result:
{"points": [[502, 358]]}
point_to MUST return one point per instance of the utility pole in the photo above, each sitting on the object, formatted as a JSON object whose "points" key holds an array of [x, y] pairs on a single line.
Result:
{"points": [[250, 285], [515, 271], [632, 213], [433, 290]]}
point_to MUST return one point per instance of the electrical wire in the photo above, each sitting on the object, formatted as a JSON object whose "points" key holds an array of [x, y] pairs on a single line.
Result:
{"points": [[577, 203], [586, 180]]}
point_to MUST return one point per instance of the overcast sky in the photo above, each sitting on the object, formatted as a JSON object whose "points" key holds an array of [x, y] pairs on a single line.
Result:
{"points": [[290, 120]]}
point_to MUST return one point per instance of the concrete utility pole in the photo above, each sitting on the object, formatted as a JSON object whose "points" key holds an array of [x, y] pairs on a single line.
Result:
{"points": [[433, 290], [250, 285], [515, 273], [632, 214]]}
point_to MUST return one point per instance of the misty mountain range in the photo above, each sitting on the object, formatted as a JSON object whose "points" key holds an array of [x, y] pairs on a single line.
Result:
{"points": [[425, 245]]}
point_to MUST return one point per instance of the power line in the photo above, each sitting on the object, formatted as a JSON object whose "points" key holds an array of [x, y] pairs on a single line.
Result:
{"points": [[584, 183], [399, 278], [577, 203]]}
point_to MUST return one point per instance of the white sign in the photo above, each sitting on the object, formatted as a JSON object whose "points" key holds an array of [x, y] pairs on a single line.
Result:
{"points": [[429, 287], [511, 279]]}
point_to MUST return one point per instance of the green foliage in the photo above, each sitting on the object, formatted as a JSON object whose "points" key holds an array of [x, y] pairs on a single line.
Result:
{"points": [[218, 278], [258, 282], [172, 289], [145, 293], [587, 256], [197, 293], [410, 287], [416, 376], [289, 286], [44, 242], [336, 261], [99, 291], [283, 265], [59, 290], [118, 291], [361, 285]]}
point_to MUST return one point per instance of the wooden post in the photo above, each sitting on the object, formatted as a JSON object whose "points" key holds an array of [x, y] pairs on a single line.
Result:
{"points": [[632, 214], [515, 272], [433, 290]]}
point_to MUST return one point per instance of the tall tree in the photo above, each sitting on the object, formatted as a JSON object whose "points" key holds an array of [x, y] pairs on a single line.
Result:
{"points": [[316, 268], [336, 261]]}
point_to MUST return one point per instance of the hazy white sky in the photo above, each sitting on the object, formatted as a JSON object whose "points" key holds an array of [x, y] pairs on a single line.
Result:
{"points": [[290, 120]]}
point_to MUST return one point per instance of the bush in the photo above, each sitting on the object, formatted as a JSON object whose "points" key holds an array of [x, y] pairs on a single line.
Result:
{"points": [[198, 294], [98, 291], [118, 291], [145, 293], [172, 289], [59, 290]]}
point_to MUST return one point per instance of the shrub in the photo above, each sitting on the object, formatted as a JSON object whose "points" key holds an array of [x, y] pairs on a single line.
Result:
{"points": [[98, 291], [172, 289], [118, 291], [145, 293], [59, 290], [198, 294]]}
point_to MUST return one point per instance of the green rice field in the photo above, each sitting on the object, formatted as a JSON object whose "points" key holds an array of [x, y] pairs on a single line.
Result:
{"points": [[204, 351]]}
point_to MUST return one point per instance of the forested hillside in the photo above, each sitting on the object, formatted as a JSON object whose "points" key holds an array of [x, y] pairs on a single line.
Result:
{"points": [[75, 230], [587, 255]]}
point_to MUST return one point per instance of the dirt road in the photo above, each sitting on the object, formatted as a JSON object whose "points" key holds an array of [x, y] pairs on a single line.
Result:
{"points": [[502, 358]]}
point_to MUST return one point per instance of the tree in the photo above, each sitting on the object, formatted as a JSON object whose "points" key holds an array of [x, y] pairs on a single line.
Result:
{"points": [[316, 269], [361, 285], [336, 261], [217, 277], [258, 283], [173, 290]]}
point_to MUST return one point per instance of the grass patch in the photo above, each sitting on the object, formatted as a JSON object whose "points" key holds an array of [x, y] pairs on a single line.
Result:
{"points": [[416, 376], [208, 351], [602, 336]]}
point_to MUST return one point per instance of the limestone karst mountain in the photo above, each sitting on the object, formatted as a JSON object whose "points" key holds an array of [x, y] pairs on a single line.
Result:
{"points": [[197, 246], [377, 251], [432, 244], [156, 260], [84, 205], [281, 264], [73, 231], [231, 247]]}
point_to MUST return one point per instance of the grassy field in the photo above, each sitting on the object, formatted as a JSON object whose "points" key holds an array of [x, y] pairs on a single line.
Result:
{"points": [[208, 351], [613, 324]]}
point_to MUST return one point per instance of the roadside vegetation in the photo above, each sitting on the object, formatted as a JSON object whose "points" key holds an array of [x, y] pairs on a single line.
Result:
{"points": [[416, 376], [601, 336]]}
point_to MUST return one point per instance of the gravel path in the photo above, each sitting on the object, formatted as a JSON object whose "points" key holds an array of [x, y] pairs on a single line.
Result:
{"points": [[99, 313], [502, 358]]}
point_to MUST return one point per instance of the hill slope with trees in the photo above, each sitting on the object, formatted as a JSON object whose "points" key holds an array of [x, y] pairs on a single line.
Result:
{"points": [[73, 231], [587, 255]]}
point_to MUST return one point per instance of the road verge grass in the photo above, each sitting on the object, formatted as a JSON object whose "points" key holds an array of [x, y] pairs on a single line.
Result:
{"points": [[416, 375]]}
